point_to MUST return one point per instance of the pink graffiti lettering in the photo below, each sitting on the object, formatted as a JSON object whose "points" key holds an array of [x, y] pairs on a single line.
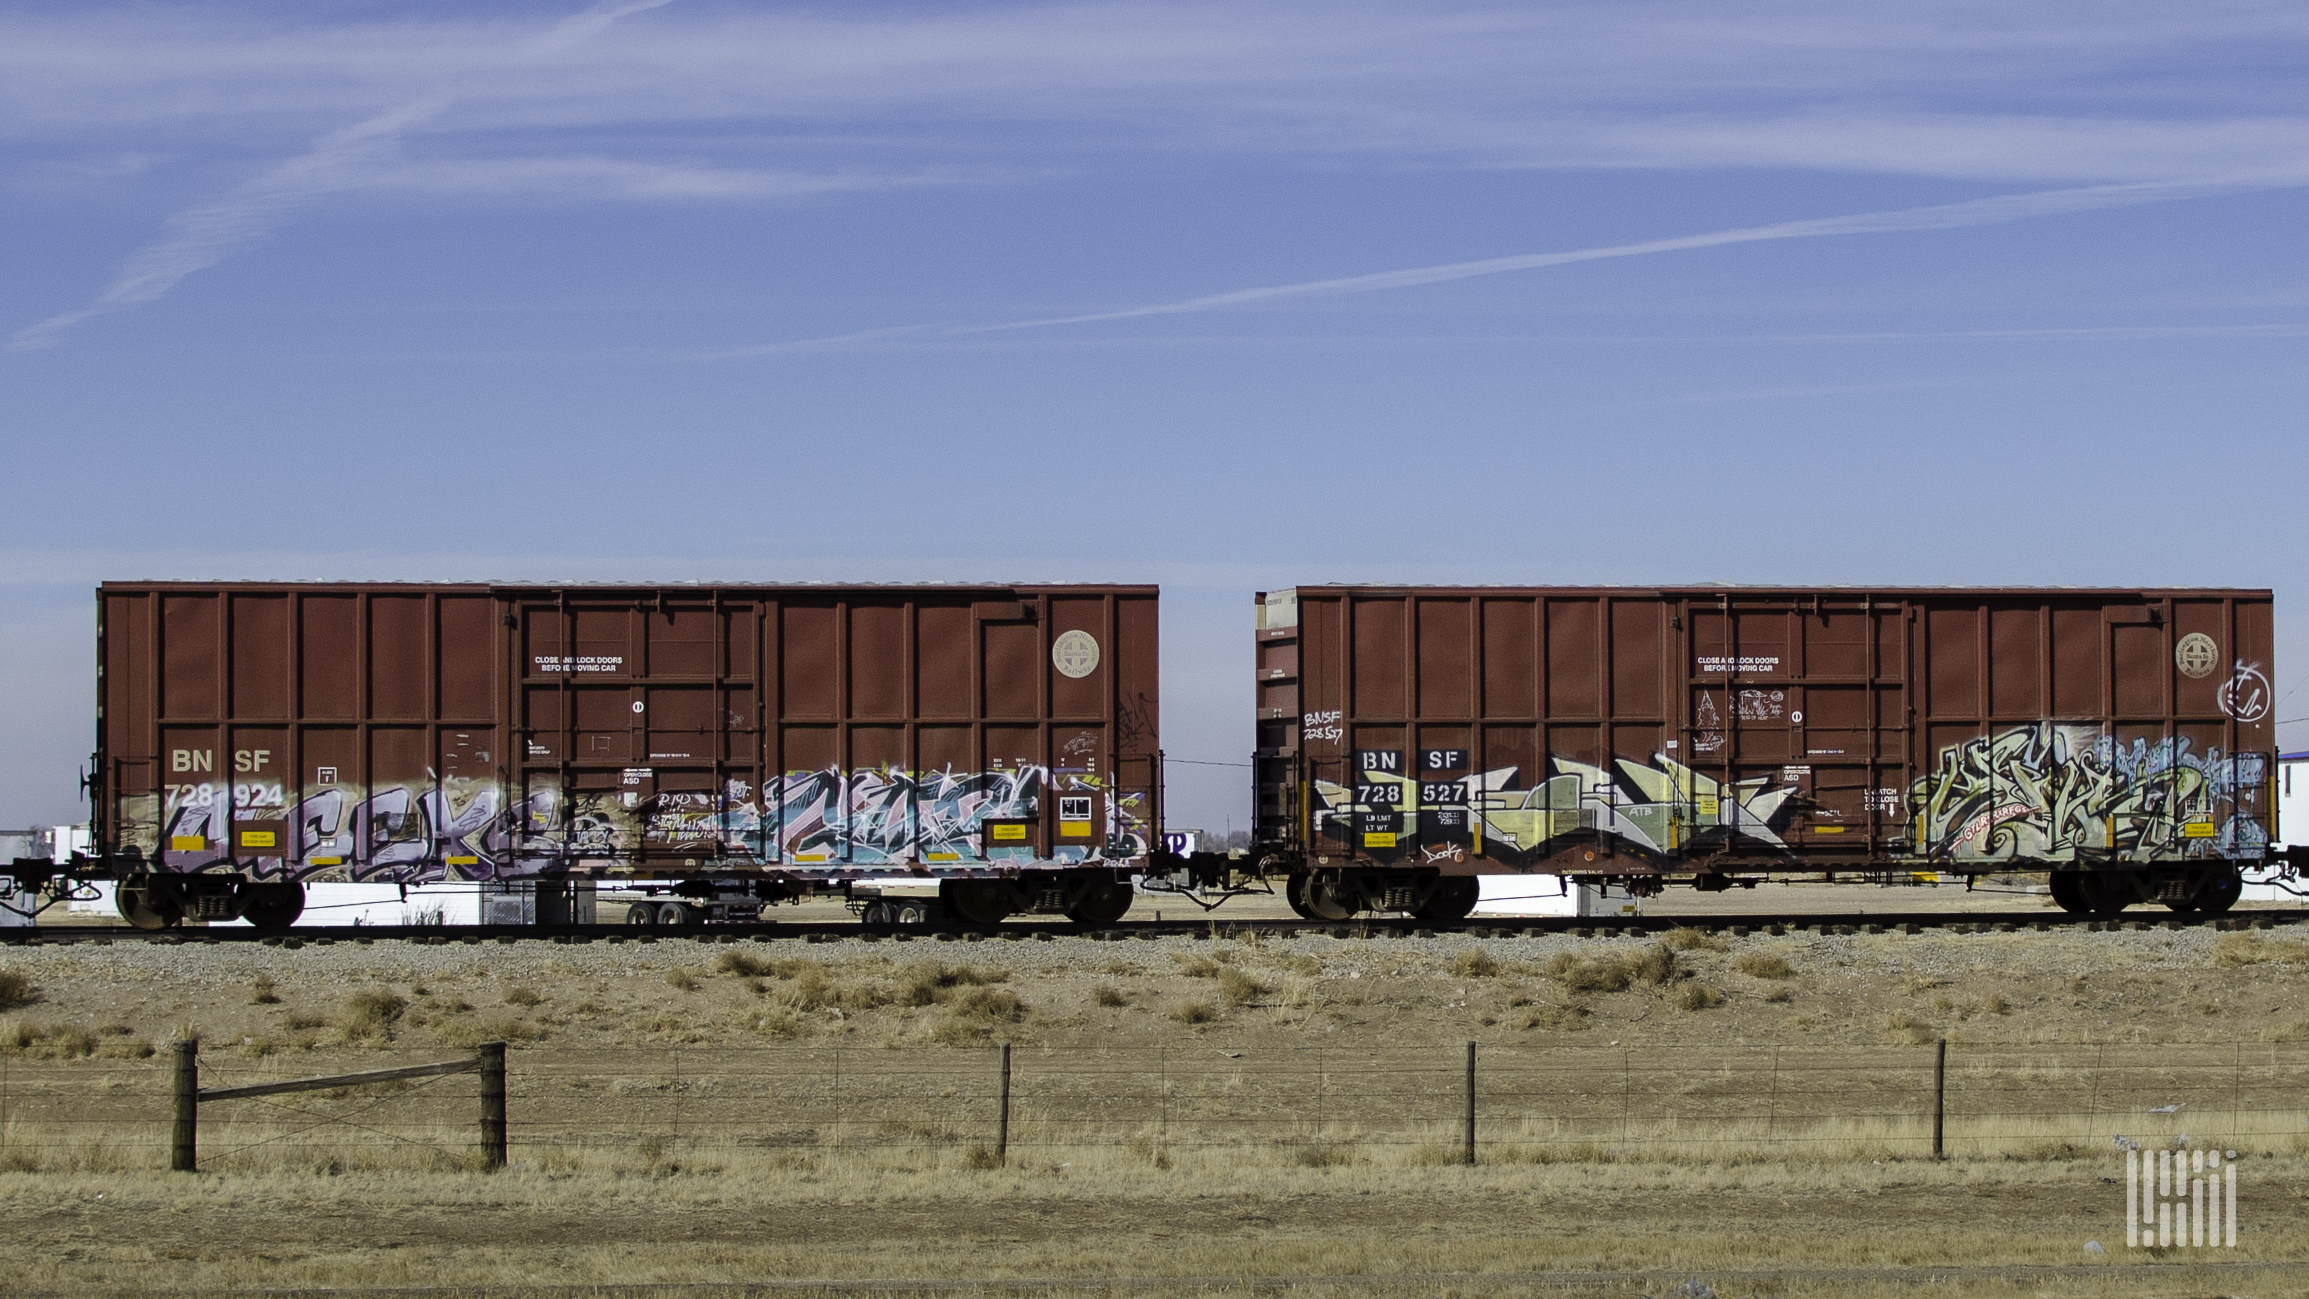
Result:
{"points": [[1979, 826]]}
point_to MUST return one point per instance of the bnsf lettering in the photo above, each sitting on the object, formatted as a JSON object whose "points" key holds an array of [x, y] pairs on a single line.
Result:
{"points": [[1379, 759], [192, 760], [251, 759], [1443, 759]]}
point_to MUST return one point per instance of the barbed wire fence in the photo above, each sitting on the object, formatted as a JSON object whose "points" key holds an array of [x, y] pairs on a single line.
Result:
{"points": [[1303, 1105]]}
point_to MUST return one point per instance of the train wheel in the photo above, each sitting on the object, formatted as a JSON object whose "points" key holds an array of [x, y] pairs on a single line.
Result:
{"points": [[2068, 892], [1452, 900], [1295, 893], [147, 904], [1101, 904], [1322, 899], [2106, 893], [2218, 893], [977, 902], [273, 905], [641, 913]]}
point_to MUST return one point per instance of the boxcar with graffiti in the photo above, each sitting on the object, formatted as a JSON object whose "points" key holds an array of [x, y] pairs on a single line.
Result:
{"points": [[1413, 738], [255, 736]]}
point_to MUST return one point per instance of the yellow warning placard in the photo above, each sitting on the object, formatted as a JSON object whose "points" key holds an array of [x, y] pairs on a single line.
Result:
{"points": [[2199, 830], [257, 839], [1015, 833], [187, 842], [1379, 839]]}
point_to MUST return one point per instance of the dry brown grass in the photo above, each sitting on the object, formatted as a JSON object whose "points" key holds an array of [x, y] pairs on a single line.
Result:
{"points": [[1474, 963], [46, 1041], [1693, 995], [2253, 949], [976, 1014], [371, 1014], [1106, 994], [520, 995], [1687, 939], [1902, 1028], [1614, 971], [1194, 1012], [15, 989], [1555, 1018], [1238, 987], [931, 984], [1763, 965]]}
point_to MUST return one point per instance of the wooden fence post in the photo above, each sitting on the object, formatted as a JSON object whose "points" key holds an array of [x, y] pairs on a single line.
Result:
{"points": [[1939, 1094], [1002, 1124], [493, 1105], [184, 1139], [1471, 1102]]}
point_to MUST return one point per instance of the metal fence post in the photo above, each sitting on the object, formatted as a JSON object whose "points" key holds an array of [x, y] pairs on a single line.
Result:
{"points": [[1939, 1094], [184, 1139], [1002, 1123], [1471, 1102], [493, 1105]]}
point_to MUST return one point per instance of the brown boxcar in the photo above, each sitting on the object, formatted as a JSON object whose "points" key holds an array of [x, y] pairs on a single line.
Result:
{"points": [[1408, 736], [808, 734]]}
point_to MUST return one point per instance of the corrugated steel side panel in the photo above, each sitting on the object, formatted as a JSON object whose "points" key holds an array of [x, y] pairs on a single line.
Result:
{"points": [[302, 729], [1597, 729], [409, 732]]}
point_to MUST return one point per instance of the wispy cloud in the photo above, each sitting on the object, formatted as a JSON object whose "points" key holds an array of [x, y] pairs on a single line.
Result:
{"points": [[762, 104], [201, 236], [1940, 216]]}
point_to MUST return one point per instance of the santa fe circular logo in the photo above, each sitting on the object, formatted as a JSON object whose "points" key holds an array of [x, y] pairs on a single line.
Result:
{"points": [[1075, 654], [2196, 655]]}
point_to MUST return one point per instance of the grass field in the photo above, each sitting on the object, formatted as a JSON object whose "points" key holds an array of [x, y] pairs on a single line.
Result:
{"points": [[1192, 1117]]}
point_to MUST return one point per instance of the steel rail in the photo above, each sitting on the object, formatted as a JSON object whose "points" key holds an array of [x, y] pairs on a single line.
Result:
{"points": [[1851, 923]]}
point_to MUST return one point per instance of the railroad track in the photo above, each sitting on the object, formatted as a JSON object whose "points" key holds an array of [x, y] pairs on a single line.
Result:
{"points": [[1977, 922]]}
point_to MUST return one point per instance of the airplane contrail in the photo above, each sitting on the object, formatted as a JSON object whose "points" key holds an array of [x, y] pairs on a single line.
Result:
{"points": [[203, 235], [1941, 216]]}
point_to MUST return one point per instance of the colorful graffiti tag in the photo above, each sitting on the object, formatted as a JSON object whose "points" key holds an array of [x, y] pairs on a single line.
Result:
{"points": [[1663, 810], [2055, 793], [2046, 792], [827, 821]]}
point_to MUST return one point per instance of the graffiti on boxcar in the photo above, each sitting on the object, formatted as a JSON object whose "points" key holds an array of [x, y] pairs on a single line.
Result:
{"points": [[2245, 696], [463, 828], [2061, 792], [453, 827], [1663, 810]]}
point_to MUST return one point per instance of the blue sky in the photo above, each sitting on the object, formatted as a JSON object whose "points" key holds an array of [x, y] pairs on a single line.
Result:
{"points": [[1918, 293]]}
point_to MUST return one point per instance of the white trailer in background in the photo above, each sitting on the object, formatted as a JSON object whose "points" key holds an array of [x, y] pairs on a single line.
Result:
{"points": [[2292, 827], [1550, 895], [459, 902]]}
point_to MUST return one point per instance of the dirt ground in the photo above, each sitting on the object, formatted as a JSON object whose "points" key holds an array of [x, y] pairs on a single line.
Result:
{"points": [[1745, 1112]]}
